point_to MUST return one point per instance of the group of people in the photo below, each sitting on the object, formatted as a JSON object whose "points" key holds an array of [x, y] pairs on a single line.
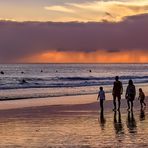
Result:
{"points": [[118, 91]]}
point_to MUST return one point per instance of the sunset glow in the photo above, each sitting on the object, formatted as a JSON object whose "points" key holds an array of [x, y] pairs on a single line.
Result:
{"points": [[96, 57]]}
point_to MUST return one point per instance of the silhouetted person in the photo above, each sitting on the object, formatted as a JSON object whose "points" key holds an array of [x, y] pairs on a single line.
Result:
{"points": [[102, 119], [23, 81], [142, 115], [141, 98], [117, 122], [90, 71], [2, 72], [22, 72], [131, 122], [41, 70], [101, 95], [117, 92], [130, 94]]}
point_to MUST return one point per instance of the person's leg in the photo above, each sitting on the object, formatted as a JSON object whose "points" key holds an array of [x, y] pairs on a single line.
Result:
{"points": [[101, 104], [141, 102], [131, 105], [128, 104], [119, 102], [114, 101], [144, 103]]}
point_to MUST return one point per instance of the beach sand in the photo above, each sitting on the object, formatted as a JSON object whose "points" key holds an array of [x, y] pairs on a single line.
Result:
{"points": [[71, 122]]}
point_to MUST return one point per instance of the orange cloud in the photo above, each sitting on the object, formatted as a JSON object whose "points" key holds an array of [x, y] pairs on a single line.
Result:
{"points": [[94, 57]]}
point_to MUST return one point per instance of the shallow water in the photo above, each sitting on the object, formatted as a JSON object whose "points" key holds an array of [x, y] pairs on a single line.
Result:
{"points": [[53, 80], [75, 129]]}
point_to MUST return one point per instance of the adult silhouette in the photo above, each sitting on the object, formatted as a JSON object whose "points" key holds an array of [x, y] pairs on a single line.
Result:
{"points": [[130, 94], [117, 92]]}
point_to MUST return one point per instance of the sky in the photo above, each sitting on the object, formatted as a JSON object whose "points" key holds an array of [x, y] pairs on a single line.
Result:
{"points": [[74, 31]]}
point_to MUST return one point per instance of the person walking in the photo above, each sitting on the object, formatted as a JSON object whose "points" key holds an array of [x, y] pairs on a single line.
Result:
{"points": [[141, 98], [130, 94], [117, 92], [101, 95]]}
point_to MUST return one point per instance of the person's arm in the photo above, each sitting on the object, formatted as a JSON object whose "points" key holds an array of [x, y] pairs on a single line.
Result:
{"points": [[98, 96], [113, 89], [134, 91], [126, 94], [121, 89]]}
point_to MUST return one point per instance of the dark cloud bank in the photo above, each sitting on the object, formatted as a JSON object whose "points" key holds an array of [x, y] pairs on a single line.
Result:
{"points": [[18, 40]]}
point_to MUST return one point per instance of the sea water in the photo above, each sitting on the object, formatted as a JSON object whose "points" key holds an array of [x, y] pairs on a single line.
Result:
{"points": [[22, 81]]}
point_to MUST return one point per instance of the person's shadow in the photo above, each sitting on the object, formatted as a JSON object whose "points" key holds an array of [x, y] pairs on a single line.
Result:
{"points": [[131, 123], [142, 114], [102, 120], [118, 126]]}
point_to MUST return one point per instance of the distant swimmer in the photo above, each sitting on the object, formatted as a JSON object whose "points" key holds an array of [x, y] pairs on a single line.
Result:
{"points": [[56, 71], [90, 71], [41, 70], [2, 72], [23, 81], [22, 72]]}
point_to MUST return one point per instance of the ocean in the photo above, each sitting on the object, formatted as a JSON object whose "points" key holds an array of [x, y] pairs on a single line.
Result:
{"points": [[23, 81]]}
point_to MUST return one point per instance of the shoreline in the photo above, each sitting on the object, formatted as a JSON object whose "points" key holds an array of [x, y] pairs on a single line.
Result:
{"points": [[68, 100], [34, 94], [61, 101]]}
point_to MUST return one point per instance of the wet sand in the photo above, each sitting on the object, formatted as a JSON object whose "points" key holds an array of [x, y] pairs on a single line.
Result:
{"points": [[71, 122]]}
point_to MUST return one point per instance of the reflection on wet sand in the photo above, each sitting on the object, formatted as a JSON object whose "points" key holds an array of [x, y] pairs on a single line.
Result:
{"points": [[131, 123], [73, 126], [118, 126], [102, 120], [142, 114]]}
